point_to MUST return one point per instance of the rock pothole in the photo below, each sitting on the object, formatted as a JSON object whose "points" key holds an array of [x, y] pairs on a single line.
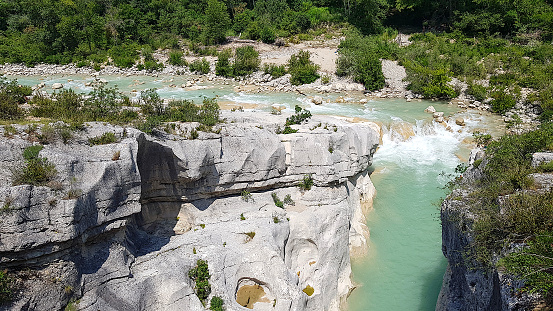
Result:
{"points": [[254, 294]]}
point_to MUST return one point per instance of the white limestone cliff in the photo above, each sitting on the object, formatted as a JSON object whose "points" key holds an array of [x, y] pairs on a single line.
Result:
{"points": [[122, 234]]}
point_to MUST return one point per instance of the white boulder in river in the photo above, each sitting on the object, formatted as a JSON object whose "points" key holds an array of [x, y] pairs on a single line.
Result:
{"points": [[57, 86], [121, 233]]}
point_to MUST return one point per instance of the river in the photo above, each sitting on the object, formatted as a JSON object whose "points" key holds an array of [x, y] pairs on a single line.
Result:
{"points": [[404, 268]]}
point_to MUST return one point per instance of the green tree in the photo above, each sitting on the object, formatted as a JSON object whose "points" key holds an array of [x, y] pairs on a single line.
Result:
{"points": [[302, 69], [246, 60], [217, 22]]}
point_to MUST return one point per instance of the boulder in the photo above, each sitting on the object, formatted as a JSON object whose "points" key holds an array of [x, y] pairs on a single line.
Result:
{"points": [[460, 121], [57, 86], [317, 100], [430, 109], [436, 115]]}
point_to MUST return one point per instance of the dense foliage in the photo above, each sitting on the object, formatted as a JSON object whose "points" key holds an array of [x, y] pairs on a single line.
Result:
{"points": [[302, 69], [359, 58], [88, 31], [521, 215], [246, 61], [11, 96]]}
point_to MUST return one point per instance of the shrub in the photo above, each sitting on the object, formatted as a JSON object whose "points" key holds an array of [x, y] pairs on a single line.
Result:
{"points": [[11, 96], [200, 274], [150, 103], [216, 304], [502, 102], [369, 72], [106, 138], [148, 126], [299, 116], [430, 83], [124, 55], [246, 60], [152, 65], [478, 91], [301, 69], [306, 183], [534, 263], [275, 71], [359, 58], [176, 58], [267, 34], [199, 66], [223, 67], [209, 112], [103, 103], [36, 171]]}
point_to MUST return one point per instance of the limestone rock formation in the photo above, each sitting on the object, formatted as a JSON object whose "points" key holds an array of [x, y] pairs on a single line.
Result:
{"points": [[121, 232], [467, 284]]}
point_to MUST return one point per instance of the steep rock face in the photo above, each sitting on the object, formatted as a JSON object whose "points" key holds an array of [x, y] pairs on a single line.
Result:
{"points": [[468, 285], [122, 234]]}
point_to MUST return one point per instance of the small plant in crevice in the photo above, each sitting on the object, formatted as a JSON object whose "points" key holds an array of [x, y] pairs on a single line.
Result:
{"points": [[287, 130], [276, 220], [242, 217], [72, 305], [216, 304], [194, 134], [277, 200], [106, 138], [200, 275], [249, 236], [9, 131], [288, 200], [116, 155], [306, 183], [246, 196], [6, 287]]}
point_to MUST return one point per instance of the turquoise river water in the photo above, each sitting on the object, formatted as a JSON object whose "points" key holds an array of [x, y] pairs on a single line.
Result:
{"points": [[404, 267]]}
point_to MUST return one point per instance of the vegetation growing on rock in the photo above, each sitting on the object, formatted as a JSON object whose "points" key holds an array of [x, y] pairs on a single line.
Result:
{"points": [[200, 275], [35, 171], [512, 211], [6, 284]]}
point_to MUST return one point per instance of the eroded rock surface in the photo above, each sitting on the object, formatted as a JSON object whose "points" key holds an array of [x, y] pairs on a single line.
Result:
{"points": [[121, 233]]}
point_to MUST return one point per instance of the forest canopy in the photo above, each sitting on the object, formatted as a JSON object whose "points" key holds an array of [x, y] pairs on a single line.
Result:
{"points": [[77, 30]]}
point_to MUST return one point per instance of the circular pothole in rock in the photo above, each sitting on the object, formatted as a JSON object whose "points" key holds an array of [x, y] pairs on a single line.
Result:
{"points": [[254, 294]]}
